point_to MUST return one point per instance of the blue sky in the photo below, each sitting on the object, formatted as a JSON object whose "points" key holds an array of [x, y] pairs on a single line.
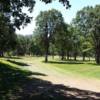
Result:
{"points": [[68, 14]]}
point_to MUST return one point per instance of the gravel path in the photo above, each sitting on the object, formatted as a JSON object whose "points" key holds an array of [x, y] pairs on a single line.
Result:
{"points": [[55, 76]]}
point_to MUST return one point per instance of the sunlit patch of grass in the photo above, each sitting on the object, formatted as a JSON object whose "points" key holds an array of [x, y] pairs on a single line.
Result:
{"points": [[86, 69]]}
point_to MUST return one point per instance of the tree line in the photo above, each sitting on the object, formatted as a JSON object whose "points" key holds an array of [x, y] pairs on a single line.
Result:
{"points": [[80, 38], [55, 37], [52, 35]]}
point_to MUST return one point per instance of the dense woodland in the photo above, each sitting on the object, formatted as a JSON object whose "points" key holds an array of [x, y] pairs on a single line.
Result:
{"points": [[52, 35]]}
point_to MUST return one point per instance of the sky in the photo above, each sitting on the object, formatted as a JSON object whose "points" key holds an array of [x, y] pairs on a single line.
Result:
{"points": [[68, 14]]}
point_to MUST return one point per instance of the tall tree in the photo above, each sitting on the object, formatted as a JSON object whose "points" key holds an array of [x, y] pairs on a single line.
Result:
{"points": [[88, 21], [62, 40], [47, 24], [7, 35], [76, 42]]}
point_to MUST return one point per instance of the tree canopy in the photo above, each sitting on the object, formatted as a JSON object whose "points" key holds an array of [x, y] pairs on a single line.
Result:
{"points": [[48, 23], [12, 9], [88, 22]]}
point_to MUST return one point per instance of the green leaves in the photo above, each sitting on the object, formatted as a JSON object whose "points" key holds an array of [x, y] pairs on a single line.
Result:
{"points": [[66, 3]]}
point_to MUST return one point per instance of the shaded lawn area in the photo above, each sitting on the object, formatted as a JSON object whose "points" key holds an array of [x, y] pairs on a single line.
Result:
{"points": [[17, 84], [85, 69], [17, 63], [13, 57]]}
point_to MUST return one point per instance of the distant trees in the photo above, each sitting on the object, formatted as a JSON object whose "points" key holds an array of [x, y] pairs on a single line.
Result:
{"points": [[21, 48], [26, 46]]}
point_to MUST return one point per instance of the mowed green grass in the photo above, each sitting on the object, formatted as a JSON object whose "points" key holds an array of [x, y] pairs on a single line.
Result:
{"points": [[85, 69]]}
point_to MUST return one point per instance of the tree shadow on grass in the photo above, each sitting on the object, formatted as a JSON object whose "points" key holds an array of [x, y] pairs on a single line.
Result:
{"points": [[18, 63], [65, 62], [94, 63], [16, 84], [14, 57]]}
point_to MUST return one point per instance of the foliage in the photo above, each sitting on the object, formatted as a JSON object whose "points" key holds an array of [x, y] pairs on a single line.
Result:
{"points": [[88, 20], [63, 40], [48, 23], [66, 3], [14, 9], [7, 35], [23, 44]]}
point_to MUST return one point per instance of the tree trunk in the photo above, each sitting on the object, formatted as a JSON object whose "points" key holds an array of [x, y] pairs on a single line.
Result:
{"points": [[84, 54], [98, 54], [46, 42], [46, 58], [46, 53], [53, 56], [75, 56], [1, 54], [62, 54], [62, 57], [89, 58], [67, 55]]}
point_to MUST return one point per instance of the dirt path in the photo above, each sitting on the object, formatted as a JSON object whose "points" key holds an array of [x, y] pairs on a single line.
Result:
{"points": [[55, 76]]}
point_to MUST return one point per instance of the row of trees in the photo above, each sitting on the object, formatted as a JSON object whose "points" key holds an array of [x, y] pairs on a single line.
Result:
{"points": [[26, 46], [69, 43], [54, 36], [81, 37]]}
